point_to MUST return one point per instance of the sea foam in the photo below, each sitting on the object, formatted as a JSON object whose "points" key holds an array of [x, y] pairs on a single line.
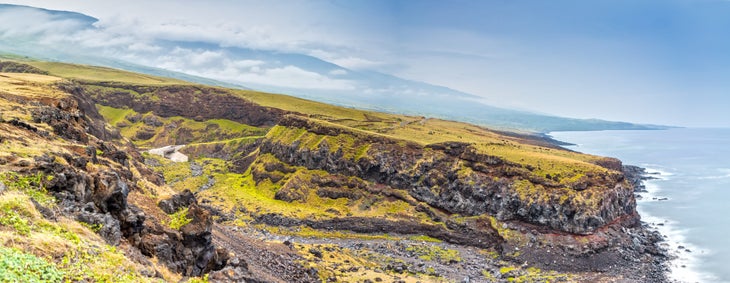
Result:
{"points": [[685, 256]]}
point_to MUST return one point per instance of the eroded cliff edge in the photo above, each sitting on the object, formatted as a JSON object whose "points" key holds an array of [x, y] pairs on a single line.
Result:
{"points": [[536, 211]]}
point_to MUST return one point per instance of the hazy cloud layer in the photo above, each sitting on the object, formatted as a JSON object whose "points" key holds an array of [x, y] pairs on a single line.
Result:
{"points": [[150, 44]]}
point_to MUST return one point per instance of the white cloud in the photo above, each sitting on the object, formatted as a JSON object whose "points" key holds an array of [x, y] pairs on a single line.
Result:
{"points": [[295, 77], [216, 66], [338, 72], [356, 63], [23, 22], [248, 63], [206, 58], [144, 47]]}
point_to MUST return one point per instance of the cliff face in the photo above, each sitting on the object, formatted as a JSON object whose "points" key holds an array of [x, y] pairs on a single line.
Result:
{"points": [[61, 141], [575, 226], [457, 178], [92, 179], [170, 101]]}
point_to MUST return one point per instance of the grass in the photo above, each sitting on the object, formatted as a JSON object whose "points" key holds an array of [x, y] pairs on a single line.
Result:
{"points": [[31, 185], [294, 104], [416, 129], [114, 115], [424, 238], [178, 130], [231, 190], [567, 166], [95, 73], [435, 253], [17, 266], [72, 249], [179, 219], [347, 265], [307, 232], [32, 86], [521, 274]]}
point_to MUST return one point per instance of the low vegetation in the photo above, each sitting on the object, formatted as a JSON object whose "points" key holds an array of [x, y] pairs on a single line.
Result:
{"points": [[53, 251], [243, 185]]}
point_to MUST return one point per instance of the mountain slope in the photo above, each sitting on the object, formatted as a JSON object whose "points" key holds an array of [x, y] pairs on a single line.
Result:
{"points": [[294, 74], [280, 189]]}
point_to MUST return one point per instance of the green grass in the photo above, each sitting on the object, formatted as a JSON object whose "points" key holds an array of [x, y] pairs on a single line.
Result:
{"points": [[294, 104], [424, 238], [114, 115], [231, 190], [179, 219], [31, 185], [205, 132], [307, 232], [435, 253]]}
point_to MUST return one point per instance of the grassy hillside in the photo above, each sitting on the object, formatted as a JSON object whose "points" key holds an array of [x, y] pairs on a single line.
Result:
{"points": [[421, 130], [91, 73], [37, 242], [94, 73], [351, 195]]}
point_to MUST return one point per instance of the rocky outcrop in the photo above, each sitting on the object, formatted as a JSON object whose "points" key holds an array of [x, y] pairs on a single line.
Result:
{"points": [[81, 103], [100, 197], [177, 202], [472, 234], [15, 67], [190, 249], [459, 179]]}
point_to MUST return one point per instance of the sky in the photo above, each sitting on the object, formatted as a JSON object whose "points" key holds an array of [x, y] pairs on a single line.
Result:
{"points": [[643, 61]]}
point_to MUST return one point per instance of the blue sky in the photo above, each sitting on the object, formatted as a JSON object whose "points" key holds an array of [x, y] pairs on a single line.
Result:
{"points": [[663, 62]]}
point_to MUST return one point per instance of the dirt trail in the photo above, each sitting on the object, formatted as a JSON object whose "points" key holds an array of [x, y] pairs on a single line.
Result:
{"points": [[276, 259], [267, 261]]}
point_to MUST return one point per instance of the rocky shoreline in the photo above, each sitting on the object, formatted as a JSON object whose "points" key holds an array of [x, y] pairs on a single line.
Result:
{"points": [[659, 268]]}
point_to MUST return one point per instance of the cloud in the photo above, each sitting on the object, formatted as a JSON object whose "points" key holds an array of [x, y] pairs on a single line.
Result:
{"points": [[338, 72], [24, 22], [248, 63], [355, 63], [295, 77], [149, 44], [217, 65]]}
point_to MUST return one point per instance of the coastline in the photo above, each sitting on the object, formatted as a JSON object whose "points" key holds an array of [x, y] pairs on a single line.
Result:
{"points": [[683, 257], [681, 194]]}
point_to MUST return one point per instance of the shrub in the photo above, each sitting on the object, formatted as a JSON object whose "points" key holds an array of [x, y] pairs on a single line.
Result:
{"points": [[16, 266]]}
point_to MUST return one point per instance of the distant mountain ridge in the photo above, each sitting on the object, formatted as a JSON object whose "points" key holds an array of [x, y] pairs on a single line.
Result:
{"points": [[298, 75]]}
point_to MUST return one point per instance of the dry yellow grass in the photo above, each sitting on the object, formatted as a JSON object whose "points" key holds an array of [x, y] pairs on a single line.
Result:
{"points": [[96, 73], [31, 86]]}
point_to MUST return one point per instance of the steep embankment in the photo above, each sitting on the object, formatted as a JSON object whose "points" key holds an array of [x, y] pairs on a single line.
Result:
{"points": [[79, 202], [287, 190]]}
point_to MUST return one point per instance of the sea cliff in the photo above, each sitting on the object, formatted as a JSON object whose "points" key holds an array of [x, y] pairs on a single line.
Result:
{"points": [[287, 190]]}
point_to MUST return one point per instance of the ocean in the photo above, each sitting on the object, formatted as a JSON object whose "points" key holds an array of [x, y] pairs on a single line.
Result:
{"points": [[688, 202]]}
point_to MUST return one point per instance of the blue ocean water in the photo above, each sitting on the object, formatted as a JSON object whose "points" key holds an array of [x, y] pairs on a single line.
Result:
{"points": [[693, 171]]}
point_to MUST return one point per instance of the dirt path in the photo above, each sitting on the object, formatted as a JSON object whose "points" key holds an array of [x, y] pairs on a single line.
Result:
{"points": [[402, 256], [267, 261]]}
